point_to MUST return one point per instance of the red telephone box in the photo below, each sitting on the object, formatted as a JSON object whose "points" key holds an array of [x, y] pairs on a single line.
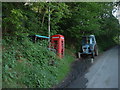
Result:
{"points": [[57, 43]]}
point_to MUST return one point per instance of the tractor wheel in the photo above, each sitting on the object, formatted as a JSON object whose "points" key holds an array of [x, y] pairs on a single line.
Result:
{"points": [[78, 55], [96, 52], [93, 55], [82, 55]]}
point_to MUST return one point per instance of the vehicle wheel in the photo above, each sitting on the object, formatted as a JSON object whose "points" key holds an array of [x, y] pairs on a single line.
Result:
{"points": [[96, 52], [82, 55], [79, 55], [92, 55]]}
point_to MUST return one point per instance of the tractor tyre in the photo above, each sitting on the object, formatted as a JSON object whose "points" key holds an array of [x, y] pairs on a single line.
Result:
{"points": [[96, 52], [93, 55]]}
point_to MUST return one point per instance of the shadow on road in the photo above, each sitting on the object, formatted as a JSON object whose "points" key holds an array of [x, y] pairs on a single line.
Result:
{"points": [[78, 69]]}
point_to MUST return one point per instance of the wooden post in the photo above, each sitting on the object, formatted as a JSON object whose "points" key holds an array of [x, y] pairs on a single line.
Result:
{"points": [[49, 23]]}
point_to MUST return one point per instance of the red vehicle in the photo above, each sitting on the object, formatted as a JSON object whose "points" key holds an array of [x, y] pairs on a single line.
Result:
{"points": [[57, 43]]}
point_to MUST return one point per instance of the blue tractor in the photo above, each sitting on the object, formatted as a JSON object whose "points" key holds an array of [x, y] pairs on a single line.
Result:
{"points": [[88, 47]]}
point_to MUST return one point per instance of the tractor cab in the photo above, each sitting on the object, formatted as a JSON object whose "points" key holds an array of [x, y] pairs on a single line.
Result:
{"points": [[89, 46]]}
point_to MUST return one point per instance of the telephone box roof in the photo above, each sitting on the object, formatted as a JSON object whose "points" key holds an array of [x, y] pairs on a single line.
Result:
{"points": [[58, 35]]}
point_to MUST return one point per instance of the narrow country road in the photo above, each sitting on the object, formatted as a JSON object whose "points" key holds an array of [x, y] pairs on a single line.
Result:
{"points": [[103, 73]]}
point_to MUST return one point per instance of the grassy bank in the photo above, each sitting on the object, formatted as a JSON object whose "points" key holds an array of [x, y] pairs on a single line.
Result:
{"points": [[32, 65]]}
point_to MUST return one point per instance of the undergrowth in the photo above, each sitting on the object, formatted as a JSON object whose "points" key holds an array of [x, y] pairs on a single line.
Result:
{"points": [[31, 65]]}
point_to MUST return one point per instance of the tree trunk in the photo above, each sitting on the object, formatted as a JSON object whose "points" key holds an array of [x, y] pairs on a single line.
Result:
{"points": [[43, 19]]}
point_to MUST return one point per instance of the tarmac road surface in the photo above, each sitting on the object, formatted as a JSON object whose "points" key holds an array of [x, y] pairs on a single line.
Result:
{"points": [[103, 73]]}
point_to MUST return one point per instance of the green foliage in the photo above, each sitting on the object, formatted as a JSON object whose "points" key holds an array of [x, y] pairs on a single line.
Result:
{"points": [[73, 20], [90, 18], [27, 64], [15, 20]]}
